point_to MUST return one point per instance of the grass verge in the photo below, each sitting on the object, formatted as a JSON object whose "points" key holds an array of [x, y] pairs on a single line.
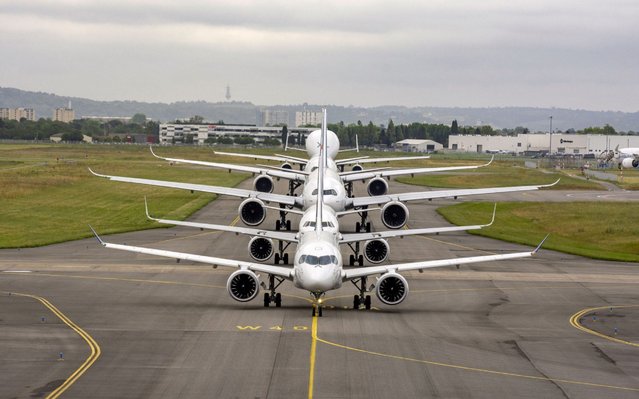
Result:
{"points": [[599, 230]]}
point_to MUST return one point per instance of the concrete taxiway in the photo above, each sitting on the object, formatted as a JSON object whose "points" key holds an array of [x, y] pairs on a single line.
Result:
{"points": [[131, 326]]}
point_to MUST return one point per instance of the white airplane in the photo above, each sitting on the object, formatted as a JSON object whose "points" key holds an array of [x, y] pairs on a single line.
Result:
{"points": [[317, 265]]}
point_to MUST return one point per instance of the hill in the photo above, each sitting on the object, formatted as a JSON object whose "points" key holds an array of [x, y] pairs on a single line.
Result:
{"points": [[234, 112]]}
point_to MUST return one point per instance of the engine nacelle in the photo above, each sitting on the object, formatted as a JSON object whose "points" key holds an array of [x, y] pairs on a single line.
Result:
{"points": [[357, 168], [252, 211], [377, 186], [263, 184], [260, 248], [286, 165], [630, 163], [394, 215], [391, 288], [376, 251], [243, 285]]}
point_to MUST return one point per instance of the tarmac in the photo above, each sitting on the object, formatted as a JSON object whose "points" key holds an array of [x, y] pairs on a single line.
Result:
{"points": [[108, 324]]}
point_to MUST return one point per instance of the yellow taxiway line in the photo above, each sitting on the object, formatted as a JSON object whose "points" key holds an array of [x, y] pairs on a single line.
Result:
{"points": [[574, 321], [95, 348], [316, 339]]}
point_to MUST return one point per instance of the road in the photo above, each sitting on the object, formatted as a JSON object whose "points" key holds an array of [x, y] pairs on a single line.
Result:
{"points": [[171, 330]]}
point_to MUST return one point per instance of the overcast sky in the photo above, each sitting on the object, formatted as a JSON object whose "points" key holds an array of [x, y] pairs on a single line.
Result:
{"points": [[542, 53]]}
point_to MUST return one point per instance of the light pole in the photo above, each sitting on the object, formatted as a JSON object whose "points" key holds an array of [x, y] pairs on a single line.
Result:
{"points": [[550, 148]]}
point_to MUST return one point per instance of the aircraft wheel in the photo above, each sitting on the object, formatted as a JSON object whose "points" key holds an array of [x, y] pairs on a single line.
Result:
{"points": [[277, 259], [368, 227], [357, 226], [351, 260], [285, 259], [319, 311], [278, 300], [288, 225], [360, 260], [277, 225], [313, 312], [367, 302], [267, 299], [356, 302]]}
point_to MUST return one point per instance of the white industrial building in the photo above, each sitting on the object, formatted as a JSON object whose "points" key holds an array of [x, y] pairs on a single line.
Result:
{"points": [[306, 117], [176, 133], [414, 145], [576, 144]]}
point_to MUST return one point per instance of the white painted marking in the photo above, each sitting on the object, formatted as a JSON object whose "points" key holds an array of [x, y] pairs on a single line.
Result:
{"points": [[17, 271]]}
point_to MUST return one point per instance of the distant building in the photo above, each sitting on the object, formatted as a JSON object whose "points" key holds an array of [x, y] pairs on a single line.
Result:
{"points": [[66, 114], [17, 113], [270, 117], [178, 133], [412, 145], [562, 143], [306, 117]]}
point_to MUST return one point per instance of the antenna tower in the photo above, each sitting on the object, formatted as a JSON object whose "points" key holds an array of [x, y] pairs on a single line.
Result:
{"points": [[228, 93]]}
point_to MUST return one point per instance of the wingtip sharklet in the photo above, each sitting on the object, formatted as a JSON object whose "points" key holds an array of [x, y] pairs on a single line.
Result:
{"points": [[540, 244], [96, 235]]}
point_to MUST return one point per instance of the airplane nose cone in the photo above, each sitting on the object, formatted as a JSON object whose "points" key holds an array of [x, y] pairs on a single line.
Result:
{"points": [[318, 279]]}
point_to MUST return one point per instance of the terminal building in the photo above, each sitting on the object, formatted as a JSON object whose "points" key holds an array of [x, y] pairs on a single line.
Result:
{"points": [[171, 133], [529, 144], [17, 114]]}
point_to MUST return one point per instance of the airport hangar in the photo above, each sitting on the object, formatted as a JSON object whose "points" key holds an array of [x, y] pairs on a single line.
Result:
{"points": [[575, 144]]}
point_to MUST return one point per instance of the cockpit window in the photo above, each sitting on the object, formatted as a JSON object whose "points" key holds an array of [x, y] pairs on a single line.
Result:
{"points": [[326, 192], [314, 168], [318, 260], [327, 224], [309, 224]]}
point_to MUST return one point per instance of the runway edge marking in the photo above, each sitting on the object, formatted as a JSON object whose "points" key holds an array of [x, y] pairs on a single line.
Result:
{"points": [[95, 348], [574, 321]]}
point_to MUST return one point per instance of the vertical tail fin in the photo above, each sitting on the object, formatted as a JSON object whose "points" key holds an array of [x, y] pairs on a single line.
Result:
{"points": [[320, 175]]}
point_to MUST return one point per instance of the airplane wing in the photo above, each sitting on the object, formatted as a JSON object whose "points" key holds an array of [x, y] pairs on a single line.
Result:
{"points": [[279, 271], [373, 160], [282, 173], [369, 174], [427, 195], [354, 237], [404, 267], [234, 192], [277, 158], [276, 235]]}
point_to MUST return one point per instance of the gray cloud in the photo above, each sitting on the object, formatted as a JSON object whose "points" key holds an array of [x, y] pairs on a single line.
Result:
{"points": [[575, 54]]}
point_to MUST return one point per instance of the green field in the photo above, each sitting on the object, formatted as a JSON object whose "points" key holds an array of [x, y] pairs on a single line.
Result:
{"points": [[601, 230], [49, 196]]}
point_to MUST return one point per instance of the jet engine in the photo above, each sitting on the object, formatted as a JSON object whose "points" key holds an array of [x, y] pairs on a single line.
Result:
{"points": [[630, 163], [252, 211], [286, 165], [357, 168], [377, 186], [260, 248], [376, 251], [263, 184], [243, 285], [394, 215], [391, 288]]}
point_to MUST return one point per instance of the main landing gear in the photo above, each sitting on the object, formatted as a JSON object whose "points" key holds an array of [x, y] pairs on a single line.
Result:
{"points": [[280, 256], [292, 186], [363, 225], [283, 223], [355, 257], [361, 300], [272, 296]]}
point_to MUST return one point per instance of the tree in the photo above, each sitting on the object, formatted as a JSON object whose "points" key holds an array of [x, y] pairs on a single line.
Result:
{"points": [[138, 119], [454, 129], [197, 119], [72, 136], [390, 133]]}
